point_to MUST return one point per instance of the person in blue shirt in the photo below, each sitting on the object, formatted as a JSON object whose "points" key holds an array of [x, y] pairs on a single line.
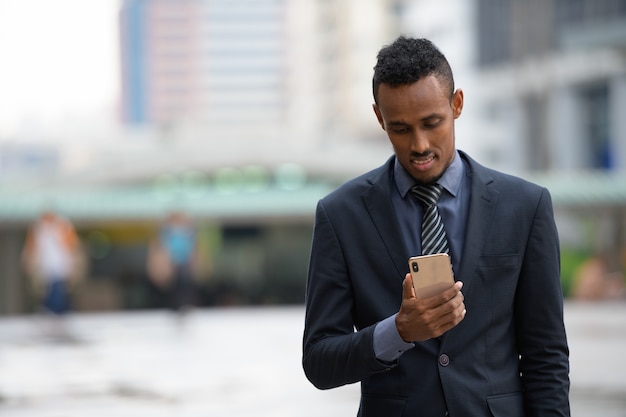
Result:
{"points": [[171, 259]]}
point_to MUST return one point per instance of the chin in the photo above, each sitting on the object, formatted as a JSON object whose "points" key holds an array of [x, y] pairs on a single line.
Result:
{"points": [[426, 180]]}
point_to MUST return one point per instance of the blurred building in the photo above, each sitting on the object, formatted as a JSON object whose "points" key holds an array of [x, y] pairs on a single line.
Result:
{"points": [[251, 69], [553, 83], [210, 62]]}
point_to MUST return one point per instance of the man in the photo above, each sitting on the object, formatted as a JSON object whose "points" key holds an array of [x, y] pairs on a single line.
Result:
{"points": [[498, 348]]}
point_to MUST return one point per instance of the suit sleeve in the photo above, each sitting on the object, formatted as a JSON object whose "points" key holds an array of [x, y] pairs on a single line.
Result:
{"points": [[542, 342], [334, 354]]}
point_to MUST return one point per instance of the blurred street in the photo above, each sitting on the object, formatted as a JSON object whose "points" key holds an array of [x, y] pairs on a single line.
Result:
{"points": [[234, 362]]}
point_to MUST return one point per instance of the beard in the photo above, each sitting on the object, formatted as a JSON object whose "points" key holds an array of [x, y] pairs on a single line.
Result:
{"points": [[430, 181]]}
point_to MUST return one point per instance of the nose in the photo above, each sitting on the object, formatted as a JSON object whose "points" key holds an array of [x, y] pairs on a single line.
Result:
{"points": [[419, 142]]}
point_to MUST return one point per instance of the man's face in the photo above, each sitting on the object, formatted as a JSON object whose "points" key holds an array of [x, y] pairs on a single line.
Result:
{"points": [[419, 120]]}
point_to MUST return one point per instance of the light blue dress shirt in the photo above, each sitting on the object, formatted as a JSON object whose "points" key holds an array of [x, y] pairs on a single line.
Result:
{"points": [[453, 207]]}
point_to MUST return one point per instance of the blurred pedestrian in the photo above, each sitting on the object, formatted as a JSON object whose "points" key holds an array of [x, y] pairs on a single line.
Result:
{"points": [[171, 258], [53, 260]]}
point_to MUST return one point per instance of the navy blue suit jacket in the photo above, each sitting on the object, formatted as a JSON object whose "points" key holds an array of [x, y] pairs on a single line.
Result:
{"points": [[508, 357]]}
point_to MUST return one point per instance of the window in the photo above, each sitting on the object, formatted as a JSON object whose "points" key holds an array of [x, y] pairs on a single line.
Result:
{"points": [[494, 36], [537, 144], [596, 126]]}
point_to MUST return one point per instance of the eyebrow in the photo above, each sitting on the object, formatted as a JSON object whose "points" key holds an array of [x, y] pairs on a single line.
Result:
{"points": [[432, 116], [397, 123], [428, 118]]}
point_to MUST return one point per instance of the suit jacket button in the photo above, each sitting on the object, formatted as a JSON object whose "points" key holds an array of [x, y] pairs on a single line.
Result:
{"points": [[444, 360]]}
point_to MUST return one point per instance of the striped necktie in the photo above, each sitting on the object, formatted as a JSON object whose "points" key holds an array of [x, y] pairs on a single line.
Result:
{"points": [[434, 238]]}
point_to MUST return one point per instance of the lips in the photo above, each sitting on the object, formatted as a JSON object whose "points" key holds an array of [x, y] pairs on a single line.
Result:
{"points": [[423, 163]]}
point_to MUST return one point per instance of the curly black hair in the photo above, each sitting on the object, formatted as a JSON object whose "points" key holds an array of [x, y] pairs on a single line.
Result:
{"points": [[408, 60]]}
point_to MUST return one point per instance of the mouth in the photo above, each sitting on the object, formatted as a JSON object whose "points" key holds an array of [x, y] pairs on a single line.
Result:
{"points": [[423, 163]]}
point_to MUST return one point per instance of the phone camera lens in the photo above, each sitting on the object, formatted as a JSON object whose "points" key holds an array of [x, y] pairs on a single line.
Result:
{"points": [[414, 266]]}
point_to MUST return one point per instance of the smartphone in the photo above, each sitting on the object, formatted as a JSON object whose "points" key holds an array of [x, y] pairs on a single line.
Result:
{"points": [[431, 274]]}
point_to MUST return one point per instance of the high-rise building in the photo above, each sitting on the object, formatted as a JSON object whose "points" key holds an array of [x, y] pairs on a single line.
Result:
{"points": [[252, 68], [554, 82], [194, 61]]}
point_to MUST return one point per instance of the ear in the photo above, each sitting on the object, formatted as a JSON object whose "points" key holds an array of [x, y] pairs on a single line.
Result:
{"points": [[378, 115], [457, 103]]}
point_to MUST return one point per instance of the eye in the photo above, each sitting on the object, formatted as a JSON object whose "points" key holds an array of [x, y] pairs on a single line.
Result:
{"points": [[431, 124], [399, 129]]}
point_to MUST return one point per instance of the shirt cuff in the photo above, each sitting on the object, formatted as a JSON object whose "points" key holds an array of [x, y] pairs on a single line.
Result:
{"points": [[388, 345]]}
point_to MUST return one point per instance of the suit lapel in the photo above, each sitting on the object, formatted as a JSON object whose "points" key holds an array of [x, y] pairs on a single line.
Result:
{"points": [[377, 201], [481, 211], [482, 205]]}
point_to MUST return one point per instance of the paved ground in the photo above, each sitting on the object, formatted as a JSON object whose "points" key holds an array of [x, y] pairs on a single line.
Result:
{"points": [[235, 362]]}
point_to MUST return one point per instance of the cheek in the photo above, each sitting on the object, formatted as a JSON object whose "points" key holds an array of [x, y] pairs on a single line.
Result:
{"points": [[445, 137], [399, 145]]}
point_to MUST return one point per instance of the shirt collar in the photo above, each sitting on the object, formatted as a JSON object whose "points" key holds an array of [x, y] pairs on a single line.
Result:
{"points": [[450, 180]]}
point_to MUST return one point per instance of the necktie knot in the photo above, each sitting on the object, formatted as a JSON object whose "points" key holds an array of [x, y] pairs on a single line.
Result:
{"points": [[428, 195]]}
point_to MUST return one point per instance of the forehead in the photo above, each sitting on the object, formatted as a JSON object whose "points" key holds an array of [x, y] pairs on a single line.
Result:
{"points": [[425, 96]]}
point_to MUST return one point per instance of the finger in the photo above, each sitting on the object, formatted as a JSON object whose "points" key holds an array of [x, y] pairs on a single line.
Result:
{"points": [[449, 320], [457, 316], [444, 296], [457, 305], [407, 287], [453, 291], [447, 306]]}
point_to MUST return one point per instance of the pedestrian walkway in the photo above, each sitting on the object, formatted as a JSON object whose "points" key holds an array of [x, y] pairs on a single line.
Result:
{"points": [[597, 339], [233, 362]]}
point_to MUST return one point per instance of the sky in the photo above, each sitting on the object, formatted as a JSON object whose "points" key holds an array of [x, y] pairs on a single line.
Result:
{"points": [[58, 61]]}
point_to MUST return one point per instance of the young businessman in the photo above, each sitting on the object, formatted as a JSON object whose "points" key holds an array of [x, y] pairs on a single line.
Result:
{"points": [[493, 343]]}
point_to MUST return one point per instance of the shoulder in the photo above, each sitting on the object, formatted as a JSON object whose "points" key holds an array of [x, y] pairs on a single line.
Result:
{"points": [[499, 181], [377, 179]]}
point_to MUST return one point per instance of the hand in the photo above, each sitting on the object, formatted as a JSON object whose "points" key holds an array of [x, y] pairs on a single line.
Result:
{"points": [[421, 319]]}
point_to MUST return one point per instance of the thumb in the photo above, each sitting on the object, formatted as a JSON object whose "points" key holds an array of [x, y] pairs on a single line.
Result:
{"points": [[407, 287]]}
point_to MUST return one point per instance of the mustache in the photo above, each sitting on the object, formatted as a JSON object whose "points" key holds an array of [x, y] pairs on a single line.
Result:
{"points": [[425, 154]]}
